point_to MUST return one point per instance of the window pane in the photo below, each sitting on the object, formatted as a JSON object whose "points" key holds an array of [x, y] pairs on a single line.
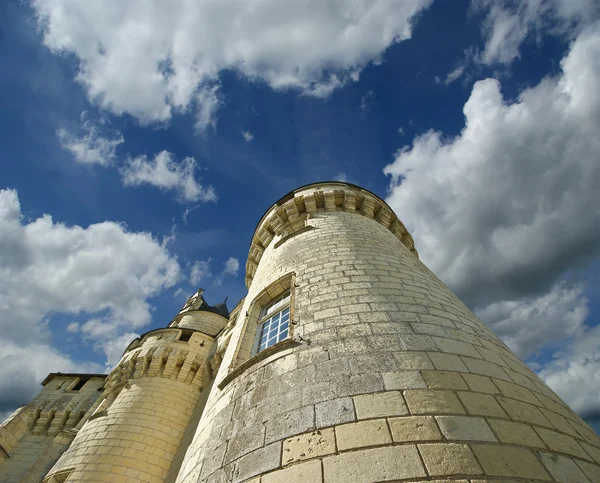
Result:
{"points": [[276, 327]]}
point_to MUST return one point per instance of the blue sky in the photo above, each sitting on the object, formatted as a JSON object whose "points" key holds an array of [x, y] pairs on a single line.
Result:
{"points": [[140, 148]]}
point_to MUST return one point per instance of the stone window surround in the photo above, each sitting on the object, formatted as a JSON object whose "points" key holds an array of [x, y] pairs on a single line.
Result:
{"points": [[252, 322], [269, 316]]}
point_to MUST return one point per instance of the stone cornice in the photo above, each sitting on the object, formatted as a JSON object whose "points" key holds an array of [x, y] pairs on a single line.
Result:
{"points": [[288, 215]]}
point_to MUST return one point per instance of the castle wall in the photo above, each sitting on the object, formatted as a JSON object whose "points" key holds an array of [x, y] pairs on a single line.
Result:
{"points": [[137, 429], [390, 377], [34, 437]]}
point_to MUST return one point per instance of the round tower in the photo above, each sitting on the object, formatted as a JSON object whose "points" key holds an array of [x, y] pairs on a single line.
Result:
{"points": [[351, 362], [137, 429]]}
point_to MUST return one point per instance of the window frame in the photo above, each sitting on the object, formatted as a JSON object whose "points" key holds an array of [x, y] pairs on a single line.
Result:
{"points": [[265, 316], [244, 355]]}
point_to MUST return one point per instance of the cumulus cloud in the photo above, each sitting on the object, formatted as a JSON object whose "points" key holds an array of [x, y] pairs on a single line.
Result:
{"points": [[151, 59], [102, 274], [528, 325], [200, 270], [248, 136], [94, 145], [497, 209], [508, 23], [504, 209], [574, 373], [232, 266], [231, 269], [164, 172]]}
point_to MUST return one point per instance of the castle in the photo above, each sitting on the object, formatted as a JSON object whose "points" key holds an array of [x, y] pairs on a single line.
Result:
{"points": [[347, 361]]}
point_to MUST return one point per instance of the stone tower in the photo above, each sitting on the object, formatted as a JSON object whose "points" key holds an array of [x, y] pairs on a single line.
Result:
{"points": [[137, 429], [347, 361], [381, 373]]}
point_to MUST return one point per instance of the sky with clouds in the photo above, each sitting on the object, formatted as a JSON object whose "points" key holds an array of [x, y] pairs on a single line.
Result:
{"points": [[142, 141]]}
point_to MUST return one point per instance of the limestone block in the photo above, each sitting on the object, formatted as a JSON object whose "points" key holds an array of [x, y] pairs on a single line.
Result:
{"points": [[592, 471], [431, 401], [377, 464], [447, 362], [562, 443], [563, 469], [481, 404], [522, 411], [444, 380], [516, 433], [403, 380], [308, 445], [413, 360], [389, 403], [444, 459], [414, 428], [509, 461], [362, 434], [257, 462], [479, 383], [466, 428], [309, 472], [333, 412]]}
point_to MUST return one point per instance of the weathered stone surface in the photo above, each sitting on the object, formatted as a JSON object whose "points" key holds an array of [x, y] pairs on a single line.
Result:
{"points": [[377, 464], [308, 472], [444, 380], [509, 461], [362, 434], [389, 403], [414, 428], [516, 433], [428, 401], [308, 445], [403, 380], [445, 459], [337, 411], [466, 428], [563, 469]]}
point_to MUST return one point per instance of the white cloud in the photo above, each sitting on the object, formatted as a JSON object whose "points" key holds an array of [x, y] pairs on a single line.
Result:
{"points": [[94, 145], [102, 275], [528, 325], [200, 270], [232, 266], [341, 177], [114, 348], [504, 209], [151, 59], [497, 210], [508, 23], [455, 74], [167, 174], [574, 373], [208, 100], [248, 136]]}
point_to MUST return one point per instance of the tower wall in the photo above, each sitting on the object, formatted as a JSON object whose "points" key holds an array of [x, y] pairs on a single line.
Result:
{"points": [[139, 424], [388, 376]]}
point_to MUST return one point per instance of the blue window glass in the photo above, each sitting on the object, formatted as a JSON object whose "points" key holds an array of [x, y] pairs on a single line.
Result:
{"points": [[275, 328]]}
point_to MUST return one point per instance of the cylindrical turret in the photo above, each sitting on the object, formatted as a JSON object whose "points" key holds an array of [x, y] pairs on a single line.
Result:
{"points": [[139, 424], [351, 362]]}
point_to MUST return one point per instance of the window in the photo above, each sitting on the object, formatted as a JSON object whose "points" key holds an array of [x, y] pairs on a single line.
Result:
{"points": [[273, 323], [186, 335], [80, 383]]}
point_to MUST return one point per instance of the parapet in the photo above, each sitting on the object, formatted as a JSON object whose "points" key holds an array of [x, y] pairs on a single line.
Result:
{"points": [[288, 215]]}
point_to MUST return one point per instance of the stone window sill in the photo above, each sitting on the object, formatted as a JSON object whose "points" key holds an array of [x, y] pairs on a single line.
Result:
{"points": [[262, 355]]}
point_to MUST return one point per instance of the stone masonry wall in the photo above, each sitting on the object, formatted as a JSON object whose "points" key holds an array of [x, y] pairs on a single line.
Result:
{"points": [[391, 378], [149, 398]]}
